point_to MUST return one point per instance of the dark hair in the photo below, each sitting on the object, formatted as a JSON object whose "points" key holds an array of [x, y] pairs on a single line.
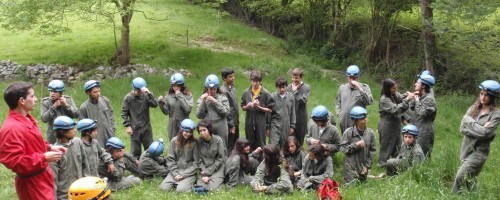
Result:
{"points": [[219, 91], [184, 89], [181, 141], [60, 133], [255, 75], [298, 72], [226, 72], [477, 106], [272, 160], [280, 82], [205, 123], [238, 149], [293, 139], [387, 84], [88, 131], [427, 88], [14, 91], [319, 151]]}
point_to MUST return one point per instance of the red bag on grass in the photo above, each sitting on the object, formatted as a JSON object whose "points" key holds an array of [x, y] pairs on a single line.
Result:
{"points": [[329, 190]]}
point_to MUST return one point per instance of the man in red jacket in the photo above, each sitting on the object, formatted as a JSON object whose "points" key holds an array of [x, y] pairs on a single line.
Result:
{"points": [[23, 149]]}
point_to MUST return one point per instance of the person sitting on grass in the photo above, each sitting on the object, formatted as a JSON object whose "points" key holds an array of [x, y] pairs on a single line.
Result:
{"points": [[317, 166], [211, 157], [410, 152], [116, 178], [294, 156], [152, 163], [241, 164], [272, 174]]}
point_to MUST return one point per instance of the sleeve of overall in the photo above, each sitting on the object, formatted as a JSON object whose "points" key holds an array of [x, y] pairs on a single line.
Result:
{"points": [[259, 174], [172, 158], [125, 113], [152, 101], [230, 120], [305, 96], [232, 170], [346, 146], [71, 111], [112, 113], [186, 102], [201, 110], [13, 157], [47, 112], [426, 107], [293, 116], [83, 112], [366, 95], [470, 127], [418, 157], [386, 105], [338, 101], [119, 171], [104, 156], [192, 169], [328, 172], [222, 106], [372, 149], [334, 146], [243, 100], [164, 105], [284, 183], [221, 157]]}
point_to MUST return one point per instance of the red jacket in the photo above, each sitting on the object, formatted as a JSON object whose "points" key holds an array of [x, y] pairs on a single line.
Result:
{"points": [[22, 150]]}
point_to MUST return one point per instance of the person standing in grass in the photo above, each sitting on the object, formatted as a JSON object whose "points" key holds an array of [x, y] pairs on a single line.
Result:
{"points": [[56, 105], [478, 127], [317, 166], [272, 174], [23, 149], [233, 119], [351, 94], [74, 164], [182, 159], [283, 114], [241, 164], [358, 144], [411, 153], [300, 92], [211, 157], [98, 108], [392, 105], [93, 150], [135, 115], [257, 102], [323, 132], [214, 106], [177, 104], [294, 156], [423, 111], [152, 163]]}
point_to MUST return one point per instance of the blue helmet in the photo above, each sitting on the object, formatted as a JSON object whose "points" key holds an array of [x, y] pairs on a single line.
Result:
{"points": [[425, 72], [177, 79], [115, 143], [411, 129], [56, 85], [212, 81], [491, 87], [352, 70], [358, 112], [319, 113], [188, 125], [138, 83], [427, 80], [85, 124], [156, 148], [63, 122], [90, 84]]}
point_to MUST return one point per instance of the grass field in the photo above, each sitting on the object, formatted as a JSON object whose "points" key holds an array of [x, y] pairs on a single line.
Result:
{"points": [[213, 44]]}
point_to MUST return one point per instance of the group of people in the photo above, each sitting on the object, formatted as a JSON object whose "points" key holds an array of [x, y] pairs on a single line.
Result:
{"points": [[219, 156]]}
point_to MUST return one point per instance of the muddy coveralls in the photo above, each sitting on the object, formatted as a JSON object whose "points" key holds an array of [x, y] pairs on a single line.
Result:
{"points": [[71, 167], [95, 154], [475, 148], [282, 118], [355, 159], [217, 114], [49, 113], [330, 137], [347, 98], [151, 166], [408, 156], [423, 115], [233, 119], [301, 96], [295, 163], [276, 183], [237, 174], [135, 113], [211, 160], [181, 161], [389, 126], [102, 112], [177, 107], [315, 172], [117, 179], [256, 121]]}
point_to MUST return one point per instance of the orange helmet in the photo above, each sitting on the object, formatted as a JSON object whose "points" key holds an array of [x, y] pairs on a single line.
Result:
{"points": [[88, 188]]}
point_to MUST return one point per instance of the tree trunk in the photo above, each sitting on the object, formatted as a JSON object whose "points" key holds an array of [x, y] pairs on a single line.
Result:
{"points": [[122, 55], [428, 35]]}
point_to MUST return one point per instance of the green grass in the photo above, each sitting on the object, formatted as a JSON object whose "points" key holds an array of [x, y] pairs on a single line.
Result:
{"points": [[214, 44]]}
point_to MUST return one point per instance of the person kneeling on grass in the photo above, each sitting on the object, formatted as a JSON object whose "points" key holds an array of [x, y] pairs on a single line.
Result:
{"points": [[116, 179], [317, 166], [410, 152], [241, 164], [272, 174], [152, 163]]}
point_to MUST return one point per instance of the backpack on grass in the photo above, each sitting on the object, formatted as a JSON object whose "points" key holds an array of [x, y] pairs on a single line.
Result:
{"points": [[329, 190]]}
